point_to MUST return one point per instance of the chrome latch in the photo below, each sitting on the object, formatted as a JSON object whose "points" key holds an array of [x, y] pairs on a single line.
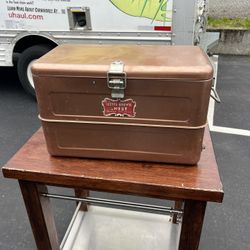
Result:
{"points": [[116, 79]]}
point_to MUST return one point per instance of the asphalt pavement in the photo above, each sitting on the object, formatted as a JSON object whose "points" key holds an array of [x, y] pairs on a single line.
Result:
{"points": [[226, 225]]}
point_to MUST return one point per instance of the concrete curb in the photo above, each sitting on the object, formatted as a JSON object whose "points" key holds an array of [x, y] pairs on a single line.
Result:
{"points": [[232, 41]]}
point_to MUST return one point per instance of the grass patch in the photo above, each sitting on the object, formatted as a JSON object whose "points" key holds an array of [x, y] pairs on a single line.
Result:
{"points": [[243, 23]]}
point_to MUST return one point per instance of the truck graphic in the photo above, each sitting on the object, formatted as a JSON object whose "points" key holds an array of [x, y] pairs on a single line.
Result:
{"points": [[153, 9]]}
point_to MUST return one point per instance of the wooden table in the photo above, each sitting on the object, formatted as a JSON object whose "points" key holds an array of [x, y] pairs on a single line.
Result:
{"points": [[34, 169]]}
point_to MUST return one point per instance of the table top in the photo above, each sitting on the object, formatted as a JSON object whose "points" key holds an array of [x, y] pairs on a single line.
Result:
{"points": [[178, 182]]}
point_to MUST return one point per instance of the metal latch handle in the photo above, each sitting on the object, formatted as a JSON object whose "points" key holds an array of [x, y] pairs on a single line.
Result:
{"points": [[116, 79]]}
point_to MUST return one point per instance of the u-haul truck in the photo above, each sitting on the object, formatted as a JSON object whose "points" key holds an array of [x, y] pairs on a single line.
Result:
{"points": [[30, 28]]}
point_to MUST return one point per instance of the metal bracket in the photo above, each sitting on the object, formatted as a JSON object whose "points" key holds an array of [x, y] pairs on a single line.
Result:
{"points": [[116, 79]]}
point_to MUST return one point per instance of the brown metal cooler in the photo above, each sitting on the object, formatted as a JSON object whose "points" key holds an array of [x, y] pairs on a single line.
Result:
{"points": [[145, 103]]}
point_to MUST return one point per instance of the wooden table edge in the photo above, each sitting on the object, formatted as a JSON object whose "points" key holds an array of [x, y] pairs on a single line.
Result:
{"points": [[157, 191]]}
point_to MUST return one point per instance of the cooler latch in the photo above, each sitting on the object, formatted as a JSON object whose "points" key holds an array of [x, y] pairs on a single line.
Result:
{"points": [[116, 79]]}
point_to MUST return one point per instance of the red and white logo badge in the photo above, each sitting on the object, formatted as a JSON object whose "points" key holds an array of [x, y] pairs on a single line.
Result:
{"points": [[118, 107]]}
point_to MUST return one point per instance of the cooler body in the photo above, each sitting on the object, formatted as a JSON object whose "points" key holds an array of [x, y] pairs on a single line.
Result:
{"points": [[127, 102]]}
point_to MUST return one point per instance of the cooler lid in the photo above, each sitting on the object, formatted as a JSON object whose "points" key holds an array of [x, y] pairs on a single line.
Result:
{"points": [[140, 61]]}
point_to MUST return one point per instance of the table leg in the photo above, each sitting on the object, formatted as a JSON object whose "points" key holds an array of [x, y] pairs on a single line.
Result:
{"points": [[192, 222], [177, 206], [82, 193], [40, 215]]}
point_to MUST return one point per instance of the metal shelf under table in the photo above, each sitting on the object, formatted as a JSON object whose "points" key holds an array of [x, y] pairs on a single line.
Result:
{"points": [[103, 228]]}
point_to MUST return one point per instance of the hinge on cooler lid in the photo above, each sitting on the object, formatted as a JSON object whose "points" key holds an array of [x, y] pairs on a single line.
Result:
{"points": [[116, 79]]}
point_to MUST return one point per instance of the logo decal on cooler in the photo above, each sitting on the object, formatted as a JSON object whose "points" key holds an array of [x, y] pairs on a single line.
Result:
{"points": [[118, 107]]}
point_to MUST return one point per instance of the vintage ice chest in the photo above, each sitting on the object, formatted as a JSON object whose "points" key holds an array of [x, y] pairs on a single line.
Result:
{"points": [[130, 102]]}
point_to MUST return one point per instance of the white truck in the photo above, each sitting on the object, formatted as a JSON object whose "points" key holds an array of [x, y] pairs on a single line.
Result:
{"points": [[30, 28]]}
